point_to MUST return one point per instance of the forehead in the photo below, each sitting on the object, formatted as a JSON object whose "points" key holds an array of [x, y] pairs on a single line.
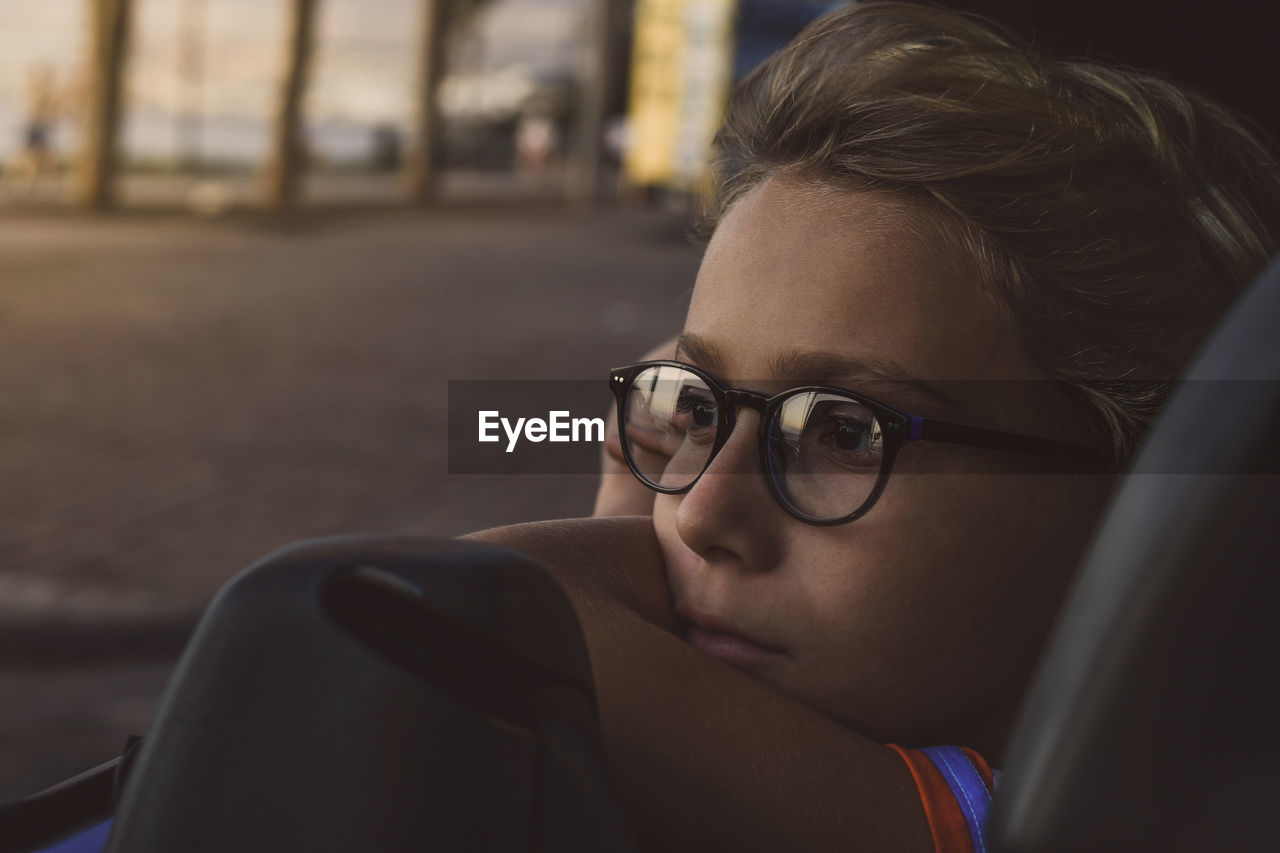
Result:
{"points": [[796, 268]]}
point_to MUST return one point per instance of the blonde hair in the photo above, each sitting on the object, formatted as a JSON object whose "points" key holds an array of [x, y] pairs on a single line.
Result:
{"points": [[1115, 214]]}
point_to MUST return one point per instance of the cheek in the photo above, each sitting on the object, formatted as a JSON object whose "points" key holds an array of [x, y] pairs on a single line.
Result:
{"points": [[947, 593], [987, 568]]}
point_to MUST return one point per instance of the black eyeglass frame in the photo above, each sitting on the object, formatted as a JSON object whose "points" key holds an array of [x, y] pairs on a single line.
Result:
{"points": [[898, 428]]}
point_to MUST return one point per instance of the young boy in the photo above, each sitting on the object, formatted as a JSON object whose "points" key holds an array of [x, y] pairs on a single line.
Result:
{"points": [[947, 285]]}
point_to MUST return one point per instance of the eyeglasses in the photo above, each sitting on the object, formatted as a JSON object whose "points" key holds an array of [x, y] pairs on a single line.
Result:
{"points": [[826, 453]]}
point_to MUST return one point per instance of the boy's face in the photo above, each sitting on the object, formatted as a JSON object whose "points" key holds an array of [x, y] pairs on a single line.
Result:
{"points": [[919, 622]]}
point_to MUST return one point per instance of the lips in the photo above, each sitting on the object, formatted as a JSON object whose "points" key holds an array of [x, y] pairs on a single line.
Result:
{"points": [[725, 642]]}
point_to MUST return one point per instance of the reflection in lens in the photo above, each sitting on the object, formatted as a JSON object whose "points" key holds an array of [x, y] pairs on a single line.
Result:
{"points": [[825, 452], [670, 422]]}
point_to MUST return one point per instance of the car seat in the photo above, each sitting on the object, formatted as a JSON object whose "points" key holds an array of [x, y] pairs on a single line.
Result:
{"points": [[1153, 722], [363, 694]]}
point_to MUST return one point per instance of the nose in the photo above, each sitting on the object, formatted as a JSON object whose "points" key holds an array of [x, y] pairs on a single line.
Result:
{"points": [[729, 513]]}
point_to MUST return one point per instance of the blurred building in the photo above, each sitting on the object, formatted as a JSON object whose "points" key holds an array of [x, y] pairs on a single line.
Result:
{"points": [[202, 76]]}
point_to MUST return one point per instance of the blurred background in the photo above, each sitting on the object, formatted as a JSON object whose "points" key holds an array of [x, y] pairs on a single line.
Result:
{"points": [[222, 105], [244, 245]]}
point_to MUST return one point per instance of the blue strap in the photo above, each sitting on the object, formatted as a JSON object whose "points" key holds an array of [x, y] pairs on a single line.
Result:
{"points": [[967, 786], [91, 840]]}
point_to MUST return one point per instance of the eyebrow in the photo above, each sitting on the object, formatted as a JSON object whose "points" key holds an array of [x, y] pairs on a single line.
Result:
{"points": [[824, 368]]}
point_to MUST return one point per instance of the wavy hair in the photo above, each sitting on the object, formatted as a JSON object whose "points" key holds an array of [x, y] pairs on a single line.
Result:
{"points": [[1116, 215]]}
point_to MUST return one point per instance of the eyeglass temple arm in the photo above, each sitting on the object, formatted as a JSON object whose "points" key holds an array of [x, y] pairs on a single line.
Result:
{"points": [[926, 429]]}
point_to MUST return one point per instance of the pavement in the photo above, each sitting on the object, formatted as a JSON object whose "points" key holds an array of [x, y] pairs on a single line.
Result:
{"points": [[243, 190], [179, 397]]}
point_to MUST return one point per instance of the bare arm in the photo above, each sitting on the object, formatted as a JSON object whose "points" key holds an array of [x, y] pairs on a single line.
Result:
{"points": [[706, 757]]}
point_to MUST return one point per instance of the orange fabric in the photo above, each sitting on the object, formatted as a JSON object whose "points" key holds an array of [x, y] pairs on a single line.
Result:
{"points": [[946, 821]]}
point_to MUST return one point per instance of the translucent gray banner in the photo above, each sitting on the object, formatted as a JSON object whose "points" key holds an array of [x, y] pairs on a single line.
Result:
{"points": [[556, 426]]}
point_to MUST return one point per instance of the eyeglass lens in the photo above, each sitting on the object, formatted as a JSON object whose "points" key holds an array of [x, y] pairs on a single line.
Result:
{"points": [[824, 450]]}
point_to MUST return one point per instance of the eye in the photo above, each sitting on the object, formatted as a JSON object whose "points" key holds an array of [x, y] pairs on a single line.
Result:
{"points": [[850, 436], [695, 408], [845, 434]]}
